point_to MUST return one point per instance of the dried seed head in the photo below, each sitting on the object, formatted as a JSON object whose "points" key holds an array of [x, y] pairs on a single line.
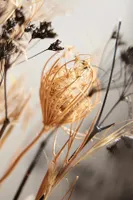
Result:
{"points": [[127, 56], [64, 90], [20, 24]]}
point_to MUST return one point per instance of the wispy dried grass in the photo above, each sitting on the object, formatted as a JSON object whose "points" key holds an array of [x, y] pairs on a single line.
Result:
{"points": [[56, 171]]}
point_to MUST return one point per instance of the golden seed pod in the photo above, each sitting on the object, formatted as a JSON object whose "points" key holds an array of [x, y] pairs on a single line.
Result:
{"points": [[64, 90]]}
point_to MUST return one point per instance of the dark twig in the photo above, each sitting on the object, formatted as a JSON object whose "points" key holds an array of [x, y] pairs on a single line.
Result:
{"points": [[55, 46], [98, 128], [33, 164], [5, 92], [113, 107], [31, 167], [6, 121], [34, 56], [110, 78], [36, 158], [127, 85], [1, 81]]}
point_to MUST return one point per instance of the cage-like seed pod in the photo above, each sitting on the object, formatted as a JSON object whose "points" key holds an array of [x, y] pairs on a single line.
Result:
{"points": [[64, 90], [64, 96]]}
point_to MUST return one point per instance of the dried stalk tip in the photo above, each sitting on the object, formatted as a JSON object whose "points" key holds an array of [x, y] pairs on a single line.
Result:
{"points": [[64, 90]]}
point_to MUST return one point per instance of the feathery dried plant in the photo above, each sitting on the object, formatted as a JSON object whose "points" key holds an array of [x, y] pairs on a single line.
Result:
{"points": [[19, 25], [63, 96], [56, 171], [64, 90]]}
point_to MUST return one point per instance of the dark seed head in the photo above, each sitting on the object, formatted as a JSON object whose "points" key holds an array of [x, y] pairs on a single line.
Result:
{"points": [[19, 16], [44, 31], [127, 56], [55, 46]]}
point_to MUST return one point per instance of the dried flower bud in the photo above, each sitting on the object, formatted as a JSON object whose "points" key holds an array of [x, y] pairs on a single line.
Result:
{"points": [[64, 90], [44, 31], [55, 46]]}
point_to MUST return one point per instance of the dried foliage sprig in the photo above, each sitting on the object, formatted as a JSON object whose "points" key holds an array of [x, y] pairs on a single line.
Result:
{"points": [[20, 24], [17, 31], [55, 46], [122, 78], [66, 90], [49, 180], [105, 141], [56, 172], [63, 85]]}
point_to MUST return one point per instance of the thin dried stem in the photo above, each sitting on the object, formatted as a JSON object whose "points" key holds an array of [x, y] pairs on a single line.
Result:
{"points": [[16, 117], [6, 121], [71, 189], [21, 155], [31, 167]]}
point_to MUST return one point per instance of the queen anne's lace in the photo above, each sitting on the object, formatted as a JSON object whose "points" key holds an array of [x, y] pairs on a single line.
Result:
{"points": [[64, 90]]}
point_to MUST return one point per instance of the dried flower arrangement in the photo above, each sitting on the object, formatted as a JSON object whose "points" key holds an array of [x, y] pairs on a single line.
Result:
{"points": [[69, 91]]}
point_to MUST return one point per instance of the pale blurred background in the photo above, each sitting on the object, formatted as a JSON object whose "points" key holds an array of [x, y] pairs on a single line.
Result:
{"points": [[87, 25]]}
